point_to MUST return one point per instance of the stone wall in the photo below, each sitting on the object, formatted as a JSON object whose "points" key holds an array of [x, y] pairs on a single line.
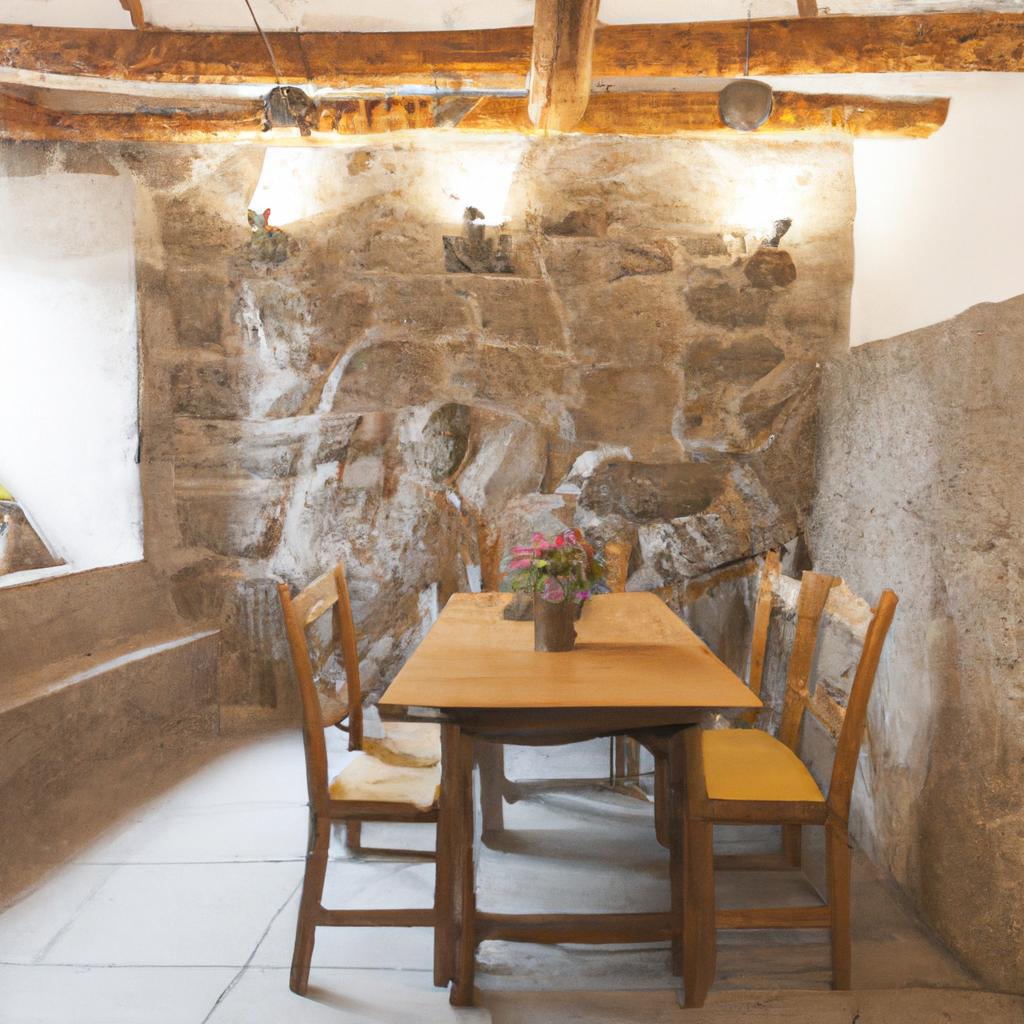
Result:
{"points": [[920, 488], [411, 390]]}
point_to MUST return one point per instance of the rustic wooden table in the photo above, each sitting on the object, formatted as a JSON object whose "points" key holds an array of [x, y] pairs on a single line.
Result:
{"points": [[637, 669]]}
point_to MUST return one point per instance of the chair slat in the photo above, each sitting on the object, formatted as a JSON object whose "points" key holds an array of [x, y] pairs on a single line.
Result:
{"points": [[848, 746], [814, 590], [770, 573], [319, 597], [828, 711]]}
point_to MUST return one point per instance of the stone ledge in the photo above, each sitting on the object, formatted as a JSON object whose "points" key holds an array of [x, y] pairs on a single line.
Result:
{"points": [[74, 671], [57, 724]]}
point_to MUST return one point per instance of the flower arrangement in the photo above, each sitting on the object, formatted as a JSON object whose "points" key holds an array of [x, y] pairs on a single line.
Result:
{"points": [[556, 568]]}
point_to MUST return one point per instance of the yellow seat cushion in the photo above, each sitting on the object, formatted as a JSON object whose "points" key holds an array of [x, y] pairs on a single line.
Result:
{"points": [[748, 764], [408, 744], [366, 778]]}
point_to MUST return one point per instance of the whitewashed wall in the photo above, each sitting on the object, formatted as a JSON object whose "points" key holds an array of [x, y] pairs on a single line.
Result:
{"points": [[69, 363], [940, 221]]}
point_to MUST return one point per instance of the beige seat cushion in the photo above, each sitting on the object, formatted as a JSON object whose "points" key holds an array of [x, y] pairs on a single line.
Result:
{"points": [[409, 744], [748, 764], [366, 778]]}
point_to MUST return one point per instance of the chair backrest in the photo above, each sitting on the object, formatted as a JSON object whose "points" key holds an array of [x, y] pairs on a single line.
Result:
{"points": [[851, 734], [616, 562], [814, 590], [770, 572], [326, 595]]}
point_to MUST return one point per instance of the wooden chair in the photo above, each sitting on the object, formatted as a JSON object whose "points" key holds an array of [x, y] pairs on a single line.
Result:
{"points": [[770, 571], [745, 776], [367, 789], [406, 744]]}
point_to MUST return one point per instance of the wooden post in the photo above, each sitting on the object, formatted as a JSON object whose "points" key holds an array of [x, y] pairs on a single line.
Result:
{"points": [[560, 69], [134, 8]]}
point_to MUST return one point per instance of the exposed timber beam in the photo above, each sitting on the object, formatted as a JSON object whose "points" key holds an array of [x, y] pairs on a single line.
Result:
{"points": [[807, 8], [696, 113], [560, 67], [500, 58], [31, 114], [134, 8]]}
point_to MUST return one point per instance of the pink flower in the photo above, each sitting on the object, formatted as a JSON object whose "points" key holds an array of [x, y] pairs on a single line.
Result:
{"points": [[582, 595], [520, 563], [553, 590], [522, 552], [539, 538]]}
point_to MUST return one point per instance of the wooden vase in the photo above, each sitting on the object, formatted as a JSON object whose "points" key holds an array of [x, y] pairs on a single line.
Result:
{"points": [[553, 628]]}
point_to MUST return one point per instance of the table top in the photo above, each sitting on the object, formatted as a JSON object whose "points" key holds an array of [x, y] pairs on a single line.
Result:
{"points": [[631, 651]]}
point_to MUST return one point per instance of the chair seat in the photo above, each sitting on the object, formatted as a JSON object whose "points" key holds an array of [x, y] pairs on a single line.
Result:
{"points": [[364, 778], [748, 764], [406, 744]]}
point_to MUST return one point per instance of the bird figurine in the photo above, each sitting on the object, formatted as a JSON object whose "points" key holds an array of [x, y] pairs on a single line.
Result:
{"points": [[267, 243]]}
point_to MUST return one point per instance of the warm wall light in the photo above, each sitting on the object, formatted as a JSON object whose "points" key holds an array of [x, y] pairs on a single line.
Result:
{"points": [[289, 107], [745, 104], [287, 185], [476, 174], [759, 191]]}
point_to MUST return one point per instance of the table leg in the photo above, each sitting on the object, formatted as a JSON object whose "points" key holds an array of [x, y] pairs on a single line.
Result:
{"points": [[675, 795], [445, 922], [465, 887], [491, 759]]}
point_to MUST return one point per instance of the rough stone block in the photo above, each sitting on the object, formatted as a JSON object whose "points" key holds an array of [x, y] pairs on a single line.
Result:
{"points": [[635, 408], [644, 493], [637, 321]]}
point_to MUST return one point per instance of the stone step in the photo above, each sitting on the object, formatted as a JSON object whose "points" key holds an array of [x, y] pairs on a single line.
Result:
{"points": [[61, 721]]}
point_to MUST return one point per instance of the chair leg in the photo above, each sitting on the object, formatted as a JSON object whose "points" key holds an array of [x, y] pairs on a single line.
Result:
{"points": [[699, 938], [792, 844], [353, 837], [661, 808], [491, 759], [838, 860], [312, 897]]}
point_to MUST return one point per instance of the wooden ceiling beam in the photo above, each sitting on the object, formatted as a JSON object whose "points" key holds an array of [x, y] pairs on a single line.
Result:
{"points": [[32, 114], [696, 113], [560, 66], [500, 58]]}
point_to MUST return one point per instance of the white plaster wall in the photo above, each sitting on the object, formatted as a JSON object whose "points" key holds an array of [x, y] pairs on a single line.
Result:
{"points": [[940, 221], [69, 364]]}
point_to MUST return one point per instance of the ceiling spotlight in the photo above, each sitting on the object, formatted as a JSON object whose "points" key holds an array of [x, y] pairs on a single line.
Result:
{"points": [[286, 106], [745, 104]]}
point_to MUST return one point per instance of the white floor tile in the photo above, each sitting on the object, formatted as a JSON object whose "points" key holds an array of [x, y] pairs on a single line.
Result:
{"points": [[401, 948], [268, 769], [109, 995], [234, 832], [30, 924], [342, 997], [177, 915]]}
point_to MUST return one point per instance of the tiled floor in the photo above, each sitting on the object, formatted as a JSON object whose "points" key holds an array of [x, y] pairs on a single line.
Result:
{"points": [[183, 913]]}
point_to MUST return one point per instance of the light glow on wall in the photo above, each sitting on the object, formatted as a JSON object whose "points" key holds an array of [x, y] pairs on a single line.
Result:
{"points": [[762, 194], [474, 175], [287, 186]]}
